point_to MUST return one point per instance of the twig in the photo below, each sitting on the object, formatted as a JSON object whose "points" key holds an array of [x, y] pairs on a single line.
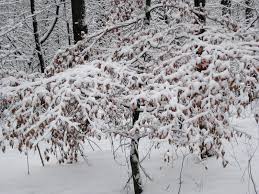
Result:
{"points": [[180, 177], [128, 181], [83, 156], [38, 148], [234, 156], [28, 165], [250, 169], [89, 140], [251, 175], [90, 144], [148, 153], [145, 173]]}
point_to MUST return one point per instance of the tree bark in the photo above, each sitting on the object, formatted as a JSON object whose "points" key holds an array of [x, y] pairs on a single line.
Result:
{"points": [[200, 4], [41, 159], [249, 11], [226, 7], [134, 156], [134, 161], [67, 22], [36, 36], [78, 16], [148, 15]]}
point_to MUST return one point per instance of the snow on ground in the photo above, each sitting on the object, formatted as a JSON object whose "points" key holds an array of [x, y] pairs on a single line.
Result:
{"points": [[104, 175]]}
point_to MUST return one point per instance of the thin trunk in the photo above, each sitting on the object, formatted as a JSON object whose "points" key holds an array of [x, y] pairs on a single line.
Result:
{"points": [[148, 14], [134, 161], [67, 23], [199, 5], [134, 157], [36, 36], [28, 164], [50, 30], [78, 16], [41, 159], [226, 7]]}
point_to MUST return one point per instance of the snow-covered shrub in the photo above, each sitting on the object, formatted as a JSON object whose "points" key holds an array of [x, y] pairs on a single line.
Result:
{"points": [[185, 80]]}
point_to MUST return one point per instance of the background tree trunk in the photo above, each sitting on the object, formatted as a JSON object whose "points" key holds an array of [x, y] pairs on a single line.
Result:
{"points": [[200, 4], [249, 11], [148, 15], [134, 157], [226, 7], [78, 17], [48, 33], [67, 22], [36, 36]]}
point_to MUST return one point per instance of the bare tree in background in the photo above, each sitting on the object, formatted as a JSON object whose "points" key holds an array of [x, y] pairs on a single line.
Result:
{"points": [[200, 4], [67, 22], [31, 32], [78, 16], [36, 36], [148, 15], [226, 7], [249, 10]]}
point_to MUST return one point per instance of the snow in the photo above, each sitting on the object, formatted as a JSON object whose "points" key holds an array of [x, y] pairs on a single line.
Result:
{"points": [[55, 179], [104, 175]]}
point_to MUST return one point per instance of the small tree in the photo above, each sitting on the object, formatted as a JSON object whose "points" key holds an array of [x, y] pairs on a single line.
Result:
{"points": [[170, 85]]}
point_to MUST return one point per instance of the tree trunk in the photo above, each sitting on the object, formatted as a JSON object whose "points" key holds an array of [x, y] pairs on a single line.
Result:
{"points": [[249, 11], [134, 156], [226, 7], [148, 15], [36, 36], [50, 30], [67, 22], [200, 4], [134, 161], [41, 158], [78, 16]]}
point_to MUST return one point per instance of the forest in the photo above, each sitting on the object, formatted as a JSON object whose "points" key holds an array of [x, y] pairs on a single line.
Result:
{"points": [[129, 96]]}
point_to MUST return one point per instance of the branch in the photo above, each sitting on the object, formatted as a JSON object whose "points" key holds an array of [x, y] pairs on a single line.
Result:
{"points": [[101, 33], [47, 34], [6, 29], [251, 175]]}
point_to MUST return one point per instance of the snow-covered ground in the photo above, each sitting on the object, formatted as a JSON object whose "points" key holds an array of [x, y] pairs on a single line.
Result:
{"points": [[103, 175]]}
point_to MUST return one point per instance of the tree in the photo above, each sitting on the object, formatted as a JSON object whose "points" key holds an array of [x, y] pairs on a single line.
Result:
{"points": [[67, 22], [148, 15], [226, 7], [78, 15], [200, 4], [248, 9], [18, 47], [36, 37], [134, 154]]}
